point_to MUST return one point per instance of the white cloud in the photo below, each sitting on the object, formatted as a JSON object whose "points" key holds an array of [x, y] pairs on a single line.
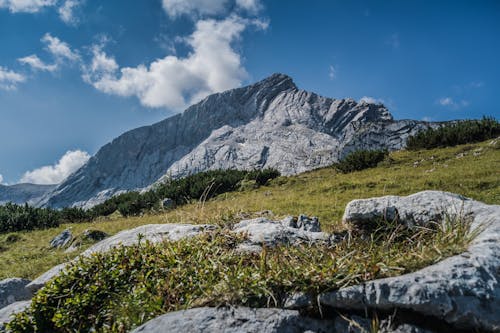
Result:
{"points": [[176, 8], [332, 73], [37, 64], [197, 8], [1, 179], [59, 49], [67, 11], [55, 174], [252, 6], [450, 102], [9, 79], [26, 6], [371, 100], [213, 65]]}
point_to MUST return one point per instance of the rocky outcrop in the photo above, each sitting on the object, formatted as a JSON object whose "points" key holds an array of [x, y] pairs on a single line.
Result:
{"points": [[61, 240], [462, 291], [7, 312], [13, 290], [22, 193], [270, 124]]}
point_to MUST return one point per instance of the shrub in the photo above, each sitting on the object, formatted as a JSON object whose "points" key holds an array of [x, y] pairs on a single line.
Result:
{"points": [[360, 160], [23, 217], [455, 133]]}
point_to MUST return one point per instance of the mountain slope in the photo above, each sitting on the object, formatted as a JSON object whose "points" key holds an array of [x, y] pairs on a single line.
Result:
{"points": [[21, 193], [268, 124]]}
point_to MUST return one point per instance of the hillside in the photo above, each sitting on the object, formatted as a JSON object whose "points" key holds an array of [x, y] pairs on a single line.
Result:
{"points": [[21, 193], [470, 170], [270, 124]]}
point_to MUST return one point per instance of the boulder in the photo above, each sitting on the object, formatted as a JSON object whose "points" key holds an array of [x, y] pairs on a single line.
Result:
{"points": [[263, 231], [13, 290], [61, 240], [152, 232], [7, 312], [167, 203], [462, 291], [239, 319], [86, 237]]}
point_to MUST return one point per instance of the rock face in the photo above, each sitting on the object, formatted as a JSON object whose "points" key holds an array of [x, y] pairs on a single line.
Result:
{"points": [[270, 124], [21, 193], [462, 291], [61, 240], [7, 312], [13, 290], [236, 320]]}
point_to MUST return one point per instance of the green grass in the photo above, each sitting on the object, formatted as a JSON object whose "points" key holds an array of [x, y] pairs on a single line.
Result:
{"points": [[471, 170], [121, 289]]}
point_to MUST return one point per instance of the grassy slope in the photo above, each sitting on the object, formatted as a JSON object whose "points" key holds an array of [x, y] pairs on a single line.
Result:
{"points": [[322, 193]]}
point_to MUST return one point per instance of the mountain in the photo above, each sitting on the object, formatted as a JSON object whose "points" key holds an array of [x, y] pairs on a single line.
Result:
{"points": [[21, 193], [270, 124]]}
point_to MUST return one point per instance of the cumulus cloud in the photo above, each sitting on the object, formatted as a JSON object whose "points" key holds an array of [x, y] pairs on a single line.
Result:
{"points": [[197, 8], [37, 64], [67, 11], [371, 100], [174, 82], [1, 179], [26, 6], [59, 49], [450, 102], [55, 174], [10, 79]]}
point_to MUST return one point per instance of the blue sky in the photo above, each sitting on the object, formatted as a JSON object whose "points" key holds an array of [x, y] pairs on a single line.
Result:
{"points": [[74, 74]]}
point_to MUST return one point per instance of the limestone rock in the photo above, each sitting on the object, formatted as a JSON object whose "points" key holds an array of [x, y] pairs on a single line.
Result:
{"points": [[462, 291], [236, 320], [270, 124], [7, 312], [23, 193], [13, 290], [263, 231], [61, 240]]}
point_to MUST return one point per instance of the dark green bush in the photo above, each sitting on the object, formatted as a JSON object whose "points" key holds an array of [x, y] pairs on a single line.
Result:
{"points": [[455, 133], [360, 160], [200, 186]]}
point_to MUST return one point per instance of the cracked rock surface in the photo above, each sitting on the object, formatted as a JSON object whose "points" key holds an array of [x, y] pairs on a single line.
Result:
{"points": [[463, 290]]}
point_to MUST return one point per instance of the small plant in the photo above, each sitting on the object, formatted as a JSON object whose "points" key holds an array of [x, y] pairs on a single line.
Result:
{"points": [[360, 160]]}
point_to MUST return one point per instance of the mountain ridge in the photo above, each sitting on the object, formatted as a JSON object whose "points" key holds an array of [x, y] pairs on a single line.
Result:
{"points": [[271, 123]]}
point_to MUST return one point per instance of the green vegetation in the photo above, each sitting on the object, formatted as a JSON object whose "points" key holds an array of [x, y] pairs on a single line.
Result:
{"points": [[116, 291], [203, 185], [456, 133], [470, 170], [360, 160]]}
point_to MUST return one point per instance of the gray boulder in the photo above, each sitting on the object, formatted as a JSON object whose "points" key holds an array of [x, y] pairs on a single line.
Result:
{"points": [[462, 291], [152, 232], [13, 290], [235, 320], [61, 240], [263, 231], [7, 312]]}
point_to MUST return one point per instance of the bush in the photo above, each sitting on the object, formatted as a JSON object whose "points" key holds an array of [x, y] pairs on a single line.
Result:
{"points": [[23, 217], [455, 133], [360, 160]]}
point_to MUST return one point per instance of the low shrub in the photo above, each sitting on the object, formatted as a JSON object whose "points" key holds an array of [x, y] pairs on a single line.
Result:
{"points": [[455, 133], [360, 160]]}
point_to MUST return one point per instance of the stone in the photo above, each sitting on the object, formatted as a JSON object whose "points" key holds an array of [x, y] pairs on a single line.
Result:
{"points": [[7, 312], [61, 240], [298, 301], [462, 291], [269, 124], [236, 320], [152, 232], [263, 231], [87, 236], [13, 290], [167, 203]]}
